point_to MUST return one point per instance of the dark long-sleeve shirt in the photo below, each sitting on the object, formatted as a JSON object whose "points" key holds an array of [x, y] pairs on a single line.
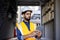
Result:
{"points": [[19, 34]]}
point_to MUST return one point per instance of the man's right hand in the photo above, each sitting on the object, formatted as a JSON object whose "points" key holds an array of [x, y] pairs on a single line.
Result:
{"points": [[33, 33]]}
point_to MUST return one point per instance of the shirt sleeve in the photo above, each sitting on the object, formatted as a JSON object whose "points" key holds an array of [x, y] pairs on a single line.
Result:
{"points": [[18, 34]]}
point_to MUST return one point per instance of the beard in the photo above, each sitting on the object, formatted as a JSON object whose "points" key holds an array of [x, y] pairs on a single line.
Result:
{"points": [[27, 19]]}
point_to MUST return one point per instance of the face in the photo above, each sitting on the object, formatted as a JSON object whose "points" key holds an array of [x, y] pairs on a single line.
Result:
{"points": [[27, 15]]}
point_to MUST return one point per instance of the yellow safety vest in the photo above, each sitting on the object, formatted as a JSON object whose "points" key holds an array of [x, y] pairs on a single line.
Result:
{"points": [[24, 30]]}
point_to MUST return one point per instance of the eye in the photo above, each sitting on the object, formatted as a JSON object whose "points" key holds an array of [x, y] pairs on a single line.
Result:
{"points": [[27, 13]]}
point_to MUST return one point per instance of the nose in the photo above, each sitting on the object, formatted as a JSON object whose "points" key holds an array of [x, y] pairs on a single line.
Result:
{"points": [[29, 15]]}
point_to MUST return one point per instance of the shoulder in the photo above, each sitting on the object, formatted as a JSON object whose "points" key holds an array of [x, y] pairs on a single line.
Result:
{"points": [[21, 22], [33, 23]]}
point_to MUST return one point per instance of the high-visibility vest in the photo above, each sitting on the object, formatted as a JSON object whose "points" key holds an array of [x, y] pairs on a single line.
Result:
{"points": [[24, 29]]}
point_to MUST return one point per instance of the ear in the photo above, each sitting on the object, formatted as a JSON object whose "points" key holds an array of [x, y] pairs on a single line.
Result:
{"points": [[22, 15]]}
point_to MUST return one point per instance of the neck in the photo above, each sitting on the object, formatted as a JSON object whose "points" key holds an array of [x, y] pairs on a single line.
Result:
{"points": [[26, 20]]}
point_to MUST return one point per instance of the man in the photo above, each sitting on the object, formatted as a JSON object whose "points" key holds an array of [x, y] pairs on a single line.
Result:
{"points": [[27, 28]]}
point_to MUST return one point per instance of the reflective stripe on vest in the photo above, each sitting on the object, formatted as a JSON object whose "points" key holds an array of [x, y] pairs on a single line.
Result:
{"points": [[19, 27]]}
